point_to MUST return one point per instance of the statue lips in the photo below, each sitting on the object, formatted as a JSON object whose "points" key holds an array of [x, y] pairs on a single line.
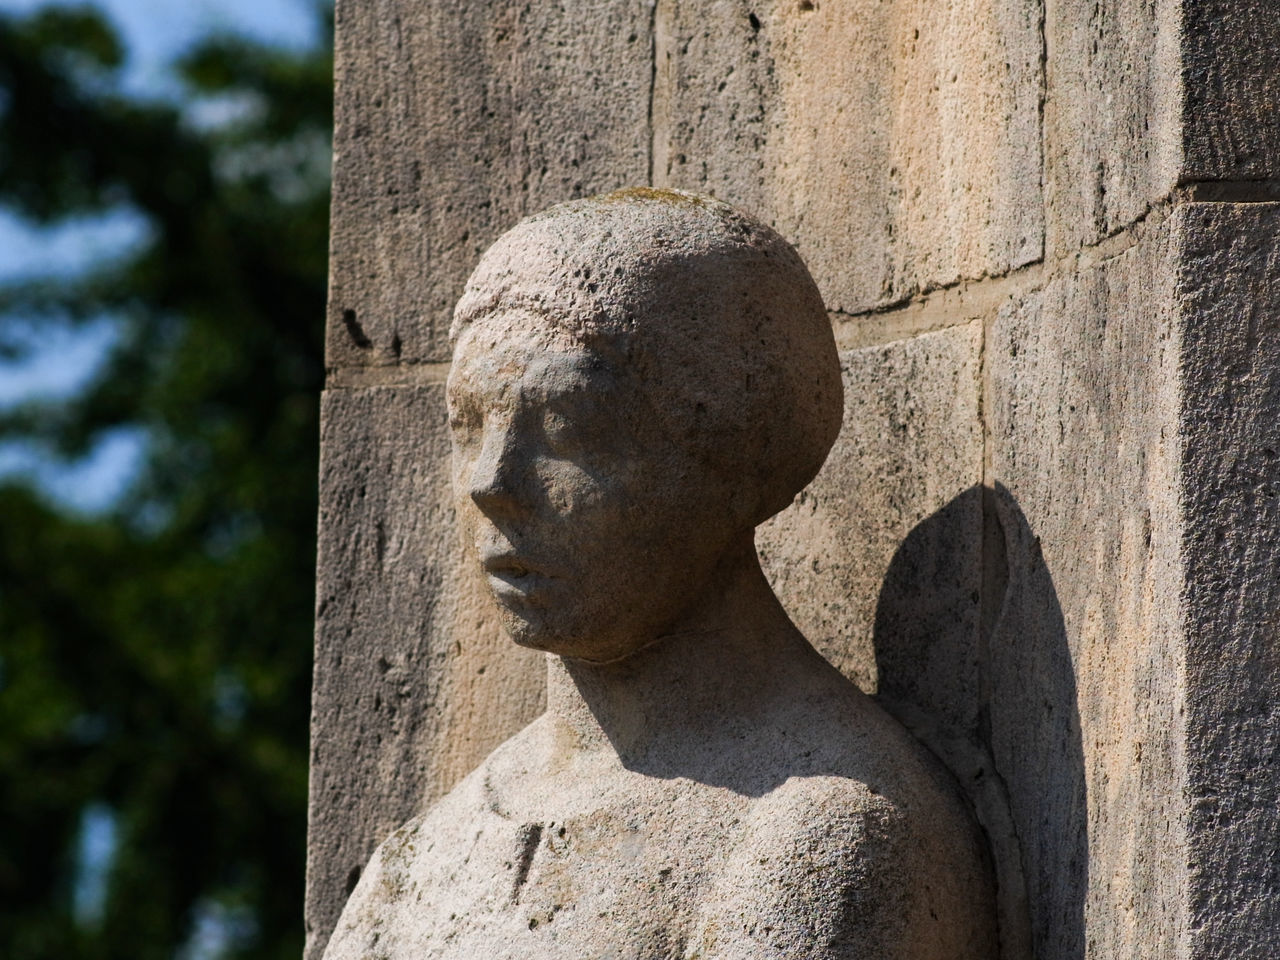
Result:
{"points": [[512, 577]]}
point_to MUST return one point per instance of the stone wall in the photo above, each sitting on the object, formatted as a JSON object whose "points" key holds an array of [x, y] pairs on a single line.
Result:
{"points": [[1047, 537]]}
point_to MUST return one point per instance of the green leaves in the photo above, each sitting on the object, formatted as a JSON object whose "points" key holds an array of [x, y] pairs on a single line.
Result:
{"points": [[155, 662], [77, 33]]}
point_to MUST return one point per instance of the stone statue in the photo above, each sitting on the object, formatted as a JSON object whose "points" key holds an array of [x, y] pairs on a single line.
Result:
{"points": [[640, 379]]}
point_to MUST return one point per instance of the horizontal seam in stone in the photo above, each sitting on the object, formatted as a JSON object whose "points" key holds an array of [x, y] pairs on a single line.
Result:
{"points": [[961, 302], [928, 311], [940, 308], [1230, 191], [391, 375]]}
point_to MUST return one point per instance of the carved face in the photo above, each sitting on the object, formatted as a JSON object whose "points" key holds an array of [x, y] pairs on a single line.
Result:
{"points": [[595, 531]]}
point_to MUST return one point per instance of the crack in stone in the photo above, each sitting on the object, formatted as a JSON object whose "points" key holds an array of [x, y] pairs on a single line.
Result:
{"points": [[530, 837]]}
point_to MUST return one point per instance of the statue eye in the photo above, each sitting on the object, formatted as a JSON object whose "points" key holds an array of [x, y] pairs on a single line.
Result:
{"points": [[464, 418], [560, 431]]}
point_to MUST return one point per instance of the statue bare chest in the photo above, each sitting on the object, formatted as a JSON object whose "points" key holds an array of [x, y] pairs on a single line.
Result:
{"points": [[618, 875]]}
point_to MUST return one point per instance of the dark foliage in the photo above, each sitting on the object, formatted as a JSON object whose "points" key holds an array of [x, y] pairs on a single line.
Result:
{"points": [[155, 661]]}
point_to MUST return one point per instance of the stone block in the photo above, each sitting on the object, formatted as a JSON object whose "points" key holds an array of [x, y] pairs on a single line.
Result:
{"points": [[1084, 699], [452, 122], [414, 682], [1145, 95], [897, 145], [1231, 90], [1112, 129], [910, 445], [1229, 289]]}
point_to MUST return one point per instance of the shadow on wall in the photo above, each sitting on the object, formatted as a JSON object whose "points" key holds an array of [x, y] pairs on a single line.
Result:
{"points": [[999, 708]]}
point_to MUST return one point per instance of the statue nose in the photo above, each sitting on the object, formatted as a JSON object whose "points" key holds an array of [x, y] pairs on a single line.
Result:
{"points": [[494, 482]]}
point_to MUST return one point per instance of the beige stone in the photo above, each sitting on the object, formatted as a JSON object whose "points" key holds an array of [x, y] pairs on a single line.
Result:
{"points": [[1113, 132], [640, 379], [879, 561], [1144, 96], [897, 143], [414, 684], [1085, 705], [1229, 288], [910, 443], [1231, 88], [1116, 664], [452, 122]]}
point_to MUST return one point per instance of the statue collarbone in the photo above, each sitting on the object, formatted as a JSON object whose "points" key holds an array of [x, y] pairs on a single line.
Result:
{"points": [[636, 384], [813, 825]]}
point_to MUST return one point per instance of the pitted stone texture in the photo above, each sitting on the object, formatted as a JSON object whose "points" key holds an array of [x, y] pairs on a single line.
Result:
{"points": [[853, 852], [880, 561], [453, 121], [1144, 95], [702, 783], [744, 340], [1231, 85], [797, 115], [1113, 130], [414, 683], [911, 442], [1085, 578], [899, 144], [1229, 285]]}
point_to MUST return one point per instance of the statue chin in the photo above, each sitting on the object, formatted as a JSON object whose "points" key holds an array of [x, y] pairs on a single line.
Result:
{"points": [[533, 635], [722, 793]]}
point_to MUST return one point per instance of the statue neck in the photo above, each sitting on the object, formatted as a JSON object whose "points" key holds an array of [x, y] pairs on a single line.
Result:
{"points": [[729, 656]]}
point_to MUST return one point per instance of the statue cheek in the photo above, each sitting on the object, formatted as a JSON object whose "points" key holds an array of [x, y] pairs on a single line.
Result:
{"points": [[577, 496]]}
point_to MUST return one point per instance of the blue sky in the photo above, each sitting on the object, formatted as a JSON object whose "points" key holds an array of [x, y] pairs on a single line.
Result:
{"points": [[154, 32]]}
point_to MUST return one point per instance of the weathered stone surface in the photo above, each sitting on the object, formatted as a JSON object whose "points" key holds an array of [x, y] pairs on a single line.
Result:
{"points": [[911, 442], [1231, 89], [702, 782], [898, 144], [1085, 694], [1113, 135], [1143, 95], [452, 122], [1119, 659], [879, 561], [414, 684], [1229, 288], [738, 864], [744, 339]]}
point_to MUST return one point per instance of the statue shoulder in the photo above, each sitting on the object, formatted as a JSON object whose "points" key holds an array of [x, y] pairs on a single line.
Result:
{"points": [[831, 867]]}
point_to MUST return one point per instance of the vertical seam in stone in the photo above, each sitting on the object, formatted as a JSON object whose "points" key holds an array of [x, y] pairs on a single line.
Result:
{"points": [[992, 800], [653, 86], [1045, 154], [659, 97], [984, 335], [986, 506]]}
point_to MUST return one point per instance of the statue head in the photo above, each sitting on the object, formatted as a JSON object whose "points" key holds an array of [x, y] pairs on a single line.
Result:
{"points": [[639, 379]]}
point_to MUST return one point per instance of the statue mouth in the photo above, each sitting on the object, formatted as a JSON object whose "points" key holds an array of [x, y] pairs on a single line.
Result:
{"points": [[510, 569], [506, 567]]}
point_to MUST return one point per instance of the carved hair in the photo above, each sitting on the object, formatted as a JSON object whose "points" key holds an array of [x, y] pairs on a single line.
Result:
{"points": [[713, 311]]}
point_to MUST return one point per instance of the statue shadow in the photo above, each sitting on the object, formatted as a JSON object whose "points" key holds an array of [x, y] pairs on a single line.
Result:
{"points": [[972, 656], [981, 672]]}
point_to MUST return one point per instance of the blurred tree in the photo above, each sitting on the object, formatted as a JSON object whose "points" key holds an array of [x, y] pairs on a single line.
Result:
{"points": [[155, 660]]}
